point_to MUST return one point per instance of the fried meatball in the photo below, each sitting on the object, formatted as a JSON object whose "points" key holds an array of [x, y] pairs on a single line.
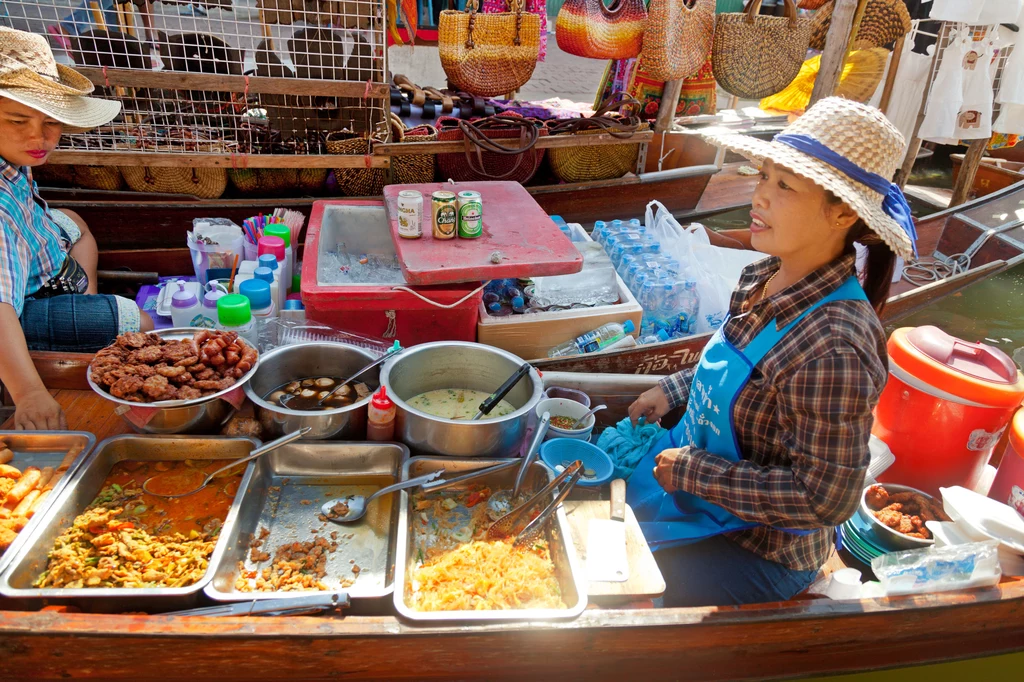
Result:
{"points": [[126, 385], [877, 497]]}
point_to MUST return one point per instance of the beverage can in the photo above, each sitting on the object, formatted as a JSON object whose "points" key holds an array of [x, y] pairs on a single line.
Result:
{"points": [[471, 215], [445, 213], [410, 214]]}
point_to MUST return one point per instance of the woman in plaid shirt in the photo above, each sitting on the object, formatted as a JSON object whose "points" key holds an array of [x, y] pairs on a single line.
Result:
{"points": [[741, 498]]}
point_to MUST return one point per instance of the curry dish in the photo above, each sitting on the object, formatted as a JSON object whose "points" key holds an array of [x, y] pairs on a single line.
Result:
{"points": [[128, 538]]}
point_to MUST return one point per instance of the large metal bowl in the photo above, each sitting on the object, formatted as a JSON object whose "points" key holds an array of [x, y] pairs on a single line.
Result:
{"points": [[888, 537], [456, 364], [174, 417], [301, 361]]}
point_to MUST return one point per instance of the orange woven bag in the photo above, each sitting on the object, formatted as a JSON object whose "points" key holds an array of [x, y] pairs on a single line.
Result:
{"points": [[586, 28]]}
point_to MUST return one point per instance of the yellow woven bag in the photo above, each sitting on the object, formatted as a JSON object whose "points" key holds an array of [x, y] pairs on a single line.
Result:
{"points": [[677, 38], [489, 54]]}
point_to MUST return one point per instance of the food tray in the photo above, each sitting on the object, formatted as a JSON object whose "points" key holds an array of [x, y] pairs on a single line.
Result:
{"points": [[563, 554], [63, 450], [317, 472], [79, 492]]}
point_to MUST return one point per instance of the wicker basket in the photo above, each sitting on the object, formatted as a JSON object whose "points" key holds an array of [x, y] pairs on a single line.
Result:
{"points": [[311, 180], [589, 28], [811, 4], [205, 183], [755, 56], [412, 169], [263, 181], [883, 23], [106, 178], [583, 163], [355, 182], [677, 38]]}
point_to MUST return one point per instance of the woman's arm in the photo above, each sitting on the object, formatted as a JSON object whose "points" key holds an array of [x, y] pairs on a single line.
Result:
{"points": [[35, 408], [826, 420]]}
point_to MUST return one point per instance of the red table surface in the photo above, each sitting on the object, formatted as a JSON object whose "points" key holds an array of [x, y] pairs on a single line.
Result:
{"points": [[513, 223]]}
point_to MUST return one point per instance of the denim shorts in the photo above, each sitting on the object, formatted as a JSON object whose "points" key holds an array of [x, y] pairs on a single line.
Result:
{"points": [[73, 323]]}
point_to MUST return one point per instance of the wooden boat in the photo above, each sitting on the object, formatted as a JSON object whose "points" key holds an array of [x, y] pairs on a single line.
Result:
{"points": [[993, 174]]}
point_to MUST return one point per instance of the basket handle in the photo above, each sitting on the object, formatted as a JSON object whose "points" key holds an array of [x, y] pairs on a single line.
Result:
{"points": [[755, 5], [476, 143], [515, 5]]}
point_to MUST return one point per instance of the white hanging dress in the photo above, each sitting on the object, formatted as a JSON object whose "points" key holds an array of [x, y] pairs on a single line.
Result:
{"points": [[912, 74], [1011, 88], [947, 93], [974, 120]]}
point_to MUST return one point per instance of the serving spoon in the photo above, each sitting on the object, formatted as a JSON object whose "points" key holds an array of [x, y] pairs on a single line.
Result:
{"points": [[395, 350], [353, 507], [258, 452], [579, 422]]}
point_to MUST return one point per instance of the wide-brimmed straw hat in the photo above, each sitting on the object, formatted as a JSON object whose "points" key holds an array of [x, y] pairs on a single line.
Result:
{"points": [[30, 75], [848, 148]]}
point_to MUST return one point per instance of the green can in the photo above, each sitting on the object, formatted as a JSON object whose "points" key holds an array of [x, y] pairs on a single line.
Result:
{"points": [[471, 215]]}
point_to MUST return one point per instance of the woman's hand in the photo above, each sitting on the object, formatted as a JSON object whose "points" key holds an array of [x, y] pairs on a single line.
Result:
{"points": [[652, 404], [663, 466], [38, 411]]}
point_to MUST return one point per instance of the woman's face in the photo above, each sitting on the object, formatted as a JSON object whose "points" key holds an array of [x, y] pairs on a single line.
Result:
{"points": [[791, 216], [27, 136]]}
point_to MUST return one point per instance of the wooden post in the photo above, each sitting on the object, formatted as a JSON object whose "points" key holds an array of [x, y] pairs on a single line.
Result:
{"points": [[669, 102], [968, 169], [846, 17], [890, 78]]}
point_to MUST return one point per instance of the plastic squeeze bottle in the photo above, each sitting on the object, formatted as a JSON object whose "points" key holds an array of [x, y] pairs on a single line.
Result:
{"points": [[258, 293], [274, 246], [380, 421], [208, 317], [269, 262], [235, 315], [282, 231], [185, 307]]}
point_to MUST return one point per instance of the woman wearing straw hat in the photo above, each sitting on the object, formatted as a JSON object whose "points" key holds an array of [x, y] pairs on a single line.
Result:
{"points": [[740, 499], [47, 258]]}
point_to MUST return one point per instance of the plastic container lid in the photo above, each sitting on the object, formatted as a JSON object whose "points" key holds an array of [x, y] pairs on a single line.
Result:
{"points": [[234, 310], [268, 260], [381, 401], [662, 335], [970, 371], [279, 230], [293, 304], [263, 273], [211, 297], [629, 326], [257, 291], [271, 245], [183, 298], [297, 281]]}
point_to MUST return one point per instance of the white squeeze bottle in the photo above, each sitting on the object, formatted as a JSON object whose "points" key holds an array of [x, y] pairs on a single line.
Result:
{"points": [[267, 275], [185, 307], [208, 316], [270, 262], [282, 231], [258, 292], [380, 418]]}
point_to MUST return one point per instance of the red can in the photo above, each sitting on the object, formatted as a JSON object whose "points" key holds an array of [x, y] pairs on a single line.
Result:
{"points": [[944, 408]]}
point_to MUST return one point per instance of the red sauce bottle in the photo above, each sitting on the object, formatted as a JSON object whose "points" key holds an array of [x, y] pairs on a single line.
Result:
{"points": [[380, 422]]}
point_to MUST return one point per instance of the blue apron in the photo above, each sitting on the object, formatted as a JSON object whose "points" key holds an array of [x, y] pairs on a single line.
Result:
{"points": [[680, 518]]}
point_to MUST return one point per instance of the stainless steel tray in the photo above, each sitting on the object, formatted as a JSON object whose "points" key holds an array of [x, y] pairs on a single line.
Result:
{"points": [[63, 450], [315, 472], [563, 553], [79, 492]]}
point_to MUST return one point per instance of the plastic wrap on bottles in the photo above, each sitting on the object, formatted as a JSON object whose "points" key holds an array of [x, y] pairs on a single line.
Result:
{"points": [[275, 332], [938, 569]]}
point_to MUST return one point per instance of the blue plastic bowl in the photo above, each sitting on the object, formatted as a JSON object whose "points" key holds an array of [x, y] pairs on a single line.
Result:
{"points": [[564, 451]]}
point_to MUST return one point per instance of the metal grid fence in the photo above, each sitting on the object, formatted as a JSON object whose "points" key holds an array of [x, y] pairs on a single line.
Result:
{"points": [[271, 78]]}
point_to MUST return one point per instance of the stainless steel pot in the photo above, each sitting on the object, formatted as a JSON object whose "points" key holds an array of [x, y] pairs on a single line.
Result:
{"points": [[456, 364], [301, 361]]}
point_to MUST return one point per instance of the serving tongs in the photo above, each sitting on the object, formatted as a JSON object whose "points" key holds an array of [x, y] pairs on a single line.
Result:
{"points": [[290, 606], [492, 400], [506, 525]]}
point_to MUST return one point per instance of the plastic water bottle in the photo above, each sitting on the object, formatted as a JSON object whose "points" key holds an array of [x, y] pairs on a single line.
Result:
{"points": [[652, 297], [635, 224], [658, 337], [595, 340], [518, 305], [687, 303], [600, 232]]}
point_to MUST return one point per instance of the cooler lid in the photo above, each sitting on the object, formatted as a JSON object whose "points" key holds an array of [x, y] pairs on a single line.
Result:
{"points": [[1017, 432], [973, 371], [514, 224]]}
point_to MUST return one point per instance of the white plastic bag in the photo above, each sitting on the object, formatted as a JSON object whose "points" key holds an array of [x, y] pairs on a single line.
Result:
{"points": [[715, 269], [214, 243]]}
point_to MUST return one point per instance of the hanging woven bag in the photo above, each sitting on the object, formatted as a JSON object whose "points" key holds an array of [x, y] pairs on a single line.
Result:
{"points": [[883, 23], [811, 4], [588, 163], [755, 56], [489, 54], [677, 38], [484, 156], [107, 178], [356, 182], [587, 28], [412, 169], [205, 183]]}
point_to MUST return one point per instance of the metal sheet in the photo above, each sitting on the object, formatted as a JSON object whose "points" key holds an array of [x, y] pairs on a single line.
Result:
{"points": [[79, 492], [563, 553], [63, 450], [288, 487]]}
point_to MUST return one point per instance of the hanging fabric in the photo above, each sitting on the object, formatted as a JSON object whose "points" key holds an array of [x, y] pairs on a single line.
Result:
{"points": [[997, 11], [974, 120], [947, 92], [912, 72]]}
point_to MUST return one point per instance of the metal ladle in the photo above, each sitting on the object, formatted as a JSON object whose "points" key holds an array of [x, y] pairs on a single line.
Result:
{"points": [[355, 506], [258, 452], [579, 422], [395, 350]]}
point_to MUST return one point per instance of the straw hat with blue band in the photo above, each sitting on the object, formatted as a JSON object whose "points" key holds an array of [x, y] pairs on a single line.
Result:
{"points": [[851, 150]]}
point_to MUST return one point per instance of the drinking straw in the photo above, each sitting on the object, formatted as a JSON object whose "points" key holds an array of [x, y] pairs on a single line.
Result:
{"points": [[234, 269]]}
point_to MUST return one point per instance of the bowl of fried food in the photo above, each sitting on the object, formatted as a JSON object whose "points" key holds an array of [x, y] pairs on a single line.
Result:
{"points": [[897, 515], [174, 381]]}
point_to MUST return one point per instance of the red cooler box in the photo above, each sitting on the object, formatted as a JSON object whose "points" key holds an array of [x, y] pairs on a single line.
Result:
{"points": [[944, 408], [376, 308]]}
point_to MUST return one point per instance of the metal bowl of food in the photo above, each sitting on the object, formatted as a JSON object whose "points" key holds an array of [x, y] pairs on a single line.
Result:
{"points": [[288, 364], [438, 388], [885, 521], [205, 414]]}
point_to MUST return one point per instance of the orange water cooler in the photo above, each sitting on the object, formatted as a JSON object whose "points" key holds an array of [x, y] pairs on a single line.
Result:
{"points": [[944, 408], [1008, 485]]}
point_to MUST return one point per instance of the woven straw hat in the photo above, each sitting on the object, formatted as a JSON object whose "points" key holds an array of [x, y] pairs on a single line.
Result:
{"points": [[856, 131], [30, 75]]}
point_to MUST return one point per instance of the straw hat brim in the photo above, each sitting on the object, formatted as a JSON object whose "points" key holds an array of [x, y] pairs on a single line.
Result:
{"points": [[864, 201], [77, 112]]}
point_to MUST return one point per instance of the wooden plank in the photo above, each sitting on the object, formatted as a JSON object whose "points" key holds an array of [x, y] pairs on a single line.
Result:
{"points": [[890, 76], [545, 142], [968, 169], [166, 261], [727, 190], [213, 160], [845, 15], [180, 80]]}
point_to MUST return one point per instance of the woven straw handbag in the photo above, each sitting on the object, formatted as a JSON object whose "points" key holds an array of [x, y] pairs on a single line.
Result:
{"points": [[356, 182], [412, 169], [588, 28], [205, 183], [484, 157], [264, 181], [677, 38], [489, 54], [883, 23], [754, 56], [811, 4], [584, 163], [107, 178]]}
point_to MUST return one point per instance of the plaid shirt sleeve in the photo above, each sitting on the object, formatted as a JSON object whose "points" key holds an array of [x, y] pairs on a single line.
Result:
{"points": [[13, 265], [677, 387], [825, 413]]}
